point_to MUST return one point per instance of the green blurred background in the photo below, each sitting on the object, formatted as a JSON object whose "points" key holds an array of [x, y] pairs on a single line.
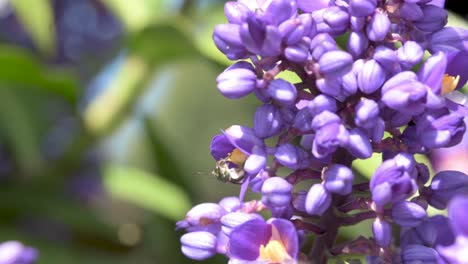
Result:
{"points": [[107, 109]]}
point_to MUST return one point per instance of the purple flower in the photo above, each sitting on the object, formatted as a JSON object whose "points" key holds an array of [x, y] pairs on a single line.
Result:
{"points": [[382, 231], [237, 81], [431, 232], [275, 241], [293, 157], [267, 121], [449, 39], [434, 18], [371, 77], [335, 63], [257, 38], [394, 180], [321, 44], [276, 192], [231, 220], [13, 252], [408, 214], [338, 179], [418, 254], [282, 91], [318, 200], [457, 213], [410, 54], [358, 144], [361, 8], [330, 134], [199, 245], [310, 6], [404, 93], [293, 30], [236, 13], [444, 186], [378, 27], [357, 43], [227, 39]]}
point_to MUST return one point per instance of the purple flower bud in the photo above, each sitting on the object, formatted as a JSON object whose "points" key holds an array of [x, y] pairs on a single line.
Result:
{"points": [[276, 192], [267, 121], [198, 245], [320, 44], [227, 39], [358, 144], [367, 112], [361, 8], [335, 63], [321, 103], [357, 23], [408, 214], [431, 232], [328, 138], [349, 84], [418, 254], [204, 214], [331, 87], [260, 39], [338, 179], [308, 6], [236, 13], [458, 214], [404, 93], [394, 180], [432, 71], [444, 186], [410, 54], [231, 220], [410, 11], [371, 77], [336, 17], [282, 91], [457, 64], [378, 27], [278, 11], [449, 39], [387, 58], [324, 118], [292, 157], [318, 200], [357, 43], [382, 231], [298, 53], [256, 161], [285, 212], [230, 203], [242, 138], [237, 81], [440, 128], [13, 252], [303, 120], [434, 18], [293, 30]]}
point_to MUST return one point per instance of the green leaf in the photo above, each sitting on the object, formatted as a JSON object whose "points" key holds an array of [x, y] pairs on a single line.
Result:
{"points": [[37, 18], [19, 68], [146, 190]]}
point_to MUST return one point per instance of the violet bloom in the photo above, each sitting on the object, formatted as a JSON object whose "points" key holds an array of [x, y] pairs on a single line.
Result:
{"points": [[444, 186], [394, 180], [330, 134], [458, 213], [274, 241], [242, 147], [13, 252]]}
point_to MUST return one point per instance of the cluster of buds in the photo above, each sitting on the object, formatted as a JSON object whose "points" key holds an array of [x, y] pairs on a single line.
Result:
{"points": [[390, 88]]}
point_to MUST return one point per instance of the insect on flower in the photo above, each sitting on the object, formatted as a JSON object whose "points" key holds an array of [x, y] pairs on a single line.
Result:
{"points": [[230, 168]]}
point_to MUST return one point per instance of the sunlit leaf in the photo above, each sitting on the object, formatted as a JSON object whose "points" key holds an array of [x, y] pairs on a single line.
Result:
{"points": [[146, 190], [37, 18]]}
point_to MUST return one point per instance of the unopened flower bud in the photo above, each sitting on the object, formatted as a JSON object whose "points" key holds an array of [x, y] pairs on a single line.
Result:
{"points": [[382, 231], [282, 91], [408, 214], [318, 200], [338, 179], [378, 27], [198, 245], [276, 192], [237, 81]]}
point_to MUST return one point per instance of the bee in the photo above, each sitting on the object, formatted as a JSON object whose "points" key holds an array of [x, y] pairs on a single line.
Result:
{"points": [[225, 173]]}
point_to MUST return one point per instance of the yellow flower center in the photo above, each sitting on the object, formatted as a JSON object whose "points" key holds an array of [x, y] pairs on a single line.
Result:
{"points": [[237, 157], [449, 83], [274, 252]]}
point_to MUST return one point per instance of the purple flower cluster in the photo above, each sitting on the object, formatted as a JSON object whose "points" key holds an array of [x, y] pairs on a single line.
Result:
{"points": [[365, 87]]}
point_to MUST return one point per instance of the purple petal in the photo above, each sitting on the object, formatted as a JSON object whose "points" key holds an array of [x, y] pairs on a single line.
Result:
{"points": [[245, 239], [288, 235], [220, 147]]}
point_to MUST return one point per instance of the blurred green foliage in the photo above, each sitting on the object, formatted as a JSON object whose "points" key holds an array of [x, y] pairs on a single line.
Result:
{"points": [[100, 175]]}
